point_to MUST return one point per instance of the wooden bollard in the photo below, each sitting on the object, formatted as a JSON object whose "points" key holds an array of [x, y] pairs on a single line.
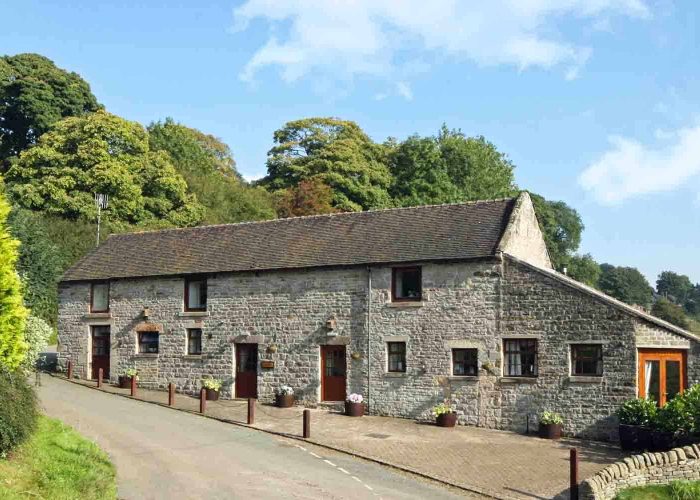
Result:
{"points": [[99, 377], [573, 473], [307, 424], [202, 400], [70, 370], [133, 386], [251, 411], [171, 394]]}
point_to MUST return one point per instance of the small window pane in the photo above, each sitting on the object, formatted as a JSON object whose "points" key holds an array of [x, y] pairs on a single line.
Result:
{"points": [[100, 297], [196, 294], [397, 356], [148, 343], [194, 341], [464, 362], [407, 283], [520, 357], [587, 360]]}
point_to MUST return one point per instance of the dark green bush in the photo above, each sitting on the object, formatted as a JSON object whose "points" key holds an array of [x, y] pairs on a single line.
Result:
{"points": [[637, 411], [18, 410], [675, 416]]}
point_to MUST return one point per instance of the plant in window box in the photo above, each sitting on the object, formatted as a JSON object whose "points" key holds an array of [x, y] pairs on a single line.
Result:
{"points": [[354, 406], [125, 380], [284, 396], [212, 387], [550, 425], [445, 416], [635, 417]]}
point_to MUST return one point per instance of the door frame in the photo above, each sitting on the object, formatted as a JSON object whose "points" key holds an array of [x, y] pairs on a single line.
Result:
{"points": [[245, 345], [661, 354], [91, 329], [322, 366], [88, 352]]}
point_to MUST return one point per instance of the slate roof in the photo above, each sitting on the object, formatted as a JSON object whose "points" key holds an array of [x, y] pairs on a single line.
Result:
{"points": [[438, 232]]}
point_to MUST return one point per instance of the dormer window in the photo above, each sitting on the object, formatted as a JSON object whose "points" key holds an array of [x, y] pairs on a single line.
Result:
{"points": [[196, 294], [99, 297], [406, 284]]}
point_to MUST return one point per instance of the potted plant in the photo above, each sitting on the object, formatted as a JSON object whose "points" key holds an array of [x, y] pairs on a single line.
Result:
{"points": [[635, 416], [125, 380], [444, 416], [354, 407], [550, 425], [212, 387], [284, 396], [673, 422]]}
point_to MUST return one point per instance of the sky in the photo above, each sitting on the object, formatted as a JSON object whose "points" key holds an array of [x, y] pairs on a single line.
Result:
{"points": [[596, 102]]}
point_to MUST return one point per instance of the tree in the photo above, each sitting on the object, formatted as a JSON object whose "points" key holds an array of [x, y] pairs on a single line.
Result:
{"points": [[13, 314], [36, 335], [626, 284], [448, 168], [675, 287], [35, 94], [561, 228], [102, 153], [584, 268], [335, 151], [309, 197], [668, 311]]}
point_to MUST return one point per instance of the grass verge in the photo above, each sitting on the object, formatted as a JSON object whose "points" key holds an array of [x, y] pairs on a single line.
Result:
{"points": [[57, 463], [677, 490]]}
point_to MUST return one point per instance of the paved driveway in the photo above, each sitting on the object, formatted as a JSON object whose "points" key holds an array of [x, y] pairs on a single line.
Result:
{"points": [[160, 453]]}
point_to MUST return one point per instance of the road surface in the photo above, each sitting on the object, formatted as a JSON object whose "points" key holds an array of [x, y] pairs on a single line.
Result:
{"points": [[161, 453]]}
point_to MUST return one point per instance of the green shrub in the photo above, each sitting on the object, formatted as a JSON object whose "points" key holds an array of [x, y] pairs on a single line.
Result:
{"points": [[692, 400], [638, 411], [36, 334], [18, 411], [674, 416]]}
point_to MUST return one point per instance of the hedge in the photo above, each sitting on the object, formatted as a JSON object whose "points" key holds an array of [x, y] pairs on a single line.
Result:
{"points": [[18, 410]]}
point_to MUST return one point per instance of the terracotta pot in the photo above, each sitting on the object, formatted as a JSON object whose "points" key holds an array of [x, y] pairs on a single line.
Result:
{"points": [[212, 394], [284, 400], [354, 409], [630, 437], [124, 381], [446, 420], [550, 431]]}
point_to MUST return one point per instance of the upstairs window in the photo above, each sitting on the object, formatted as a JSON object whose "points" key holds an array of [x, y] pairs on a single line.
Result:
{"points": [[406, 284], [148, 342], [520, 356], [396, 357], [99, 297], [194, 341], [196, 294], [464, 362], [587, 360]]}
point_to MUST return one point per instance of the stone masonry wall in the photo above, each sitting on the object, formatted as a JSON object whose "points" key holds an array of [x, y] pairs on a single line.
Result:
{"points": [[640, 470]]}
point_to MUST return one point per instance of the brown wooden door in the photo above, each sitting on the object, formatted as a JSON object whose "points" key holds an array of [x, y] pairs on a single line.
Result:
{"points": [[662, 374], [333, 369], [100, 351], [246, 370]]}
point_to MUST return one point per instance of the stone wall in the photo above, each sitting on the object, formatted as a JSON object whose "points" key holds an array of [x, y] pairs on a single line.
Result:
{"points": [[640, 470]]}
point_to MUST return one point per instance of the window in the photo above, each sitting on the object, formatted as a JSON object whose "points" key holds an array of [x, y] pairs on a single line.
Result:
{"points": [[587, 360], [195, 294], [520, 357], [397, 357], [406, 284], [148, 343], [194, 341], [464, 362], [99, 297]]}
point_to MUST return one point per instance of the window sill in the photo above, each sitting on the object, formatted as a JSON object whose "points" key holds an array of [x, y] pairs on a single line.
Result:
{"points": [[98, 315], [581, 379], [405, 305], [193, 314], [518, 380], [463, 378], [396, 374], [146, 356]]}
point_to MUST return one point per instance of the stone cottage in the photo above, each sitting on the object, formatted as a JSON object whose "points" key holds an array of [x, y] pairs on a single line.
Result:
{"points": [[409, 307]]}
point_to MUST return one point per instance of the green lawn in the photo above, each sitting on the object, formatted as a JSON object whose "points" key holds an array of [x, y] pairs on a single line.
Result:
{"points": [[677, 490], [57, 463]]}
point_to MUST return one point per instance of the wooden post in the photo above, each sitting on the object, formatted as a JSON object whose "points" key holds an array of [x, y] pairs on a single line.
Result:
{"points": [[171, 394], [70, 370], [573, 473], [307, 424], [133, 386], [251, 411], [202, 400], [99, 377]]}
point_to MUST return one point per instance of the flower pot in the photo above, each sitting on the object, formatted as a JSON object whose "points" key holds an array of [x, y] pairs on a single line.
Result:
{"points": [[124, 381], [446, 420], [550, 431], [630, 437], [284, 400], [644, 438], [662, 441], [354, 409], [212, 394]]}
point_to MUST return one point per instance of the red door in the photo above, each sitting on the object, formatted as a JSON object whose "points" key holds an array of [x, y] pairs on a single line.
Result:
{"points": [[246, 370], [100, 351], [333, 372]]}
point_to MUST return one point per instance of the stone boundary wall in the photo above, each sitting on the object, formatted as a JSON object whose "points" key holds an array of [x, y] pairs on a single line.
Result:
{"points": [[640, 470]]}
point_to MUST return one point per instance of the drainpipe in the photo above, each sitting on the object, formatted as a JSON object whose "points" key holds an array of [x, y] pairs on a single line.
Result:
{"points": [[369, 325]]}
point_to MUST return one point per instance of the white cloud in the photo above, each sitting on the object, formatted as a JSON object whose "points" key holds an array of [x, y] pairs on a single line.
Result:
{"points": [[373, 37], [404, 90], [631, 168]]}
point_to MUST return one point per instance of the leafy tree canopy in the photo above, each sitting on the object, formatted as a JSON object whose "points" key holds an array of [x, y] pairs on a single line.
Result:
{"points": [[35, 94], [335, 151], [626, 284], [561, 227], [675, 287], [309, 197], [584, 268], [102, 153], [448, 168], [668, 311]]}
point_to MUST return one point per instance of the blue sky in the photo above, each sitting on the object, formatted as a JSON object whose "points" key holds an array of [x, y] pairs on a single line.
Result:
{"points": [[595, 101]]}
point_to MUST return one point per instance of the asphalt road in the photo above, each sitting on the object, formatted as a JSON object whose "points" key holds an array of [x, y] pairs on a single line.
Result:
{"points": [[161, 453]]}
